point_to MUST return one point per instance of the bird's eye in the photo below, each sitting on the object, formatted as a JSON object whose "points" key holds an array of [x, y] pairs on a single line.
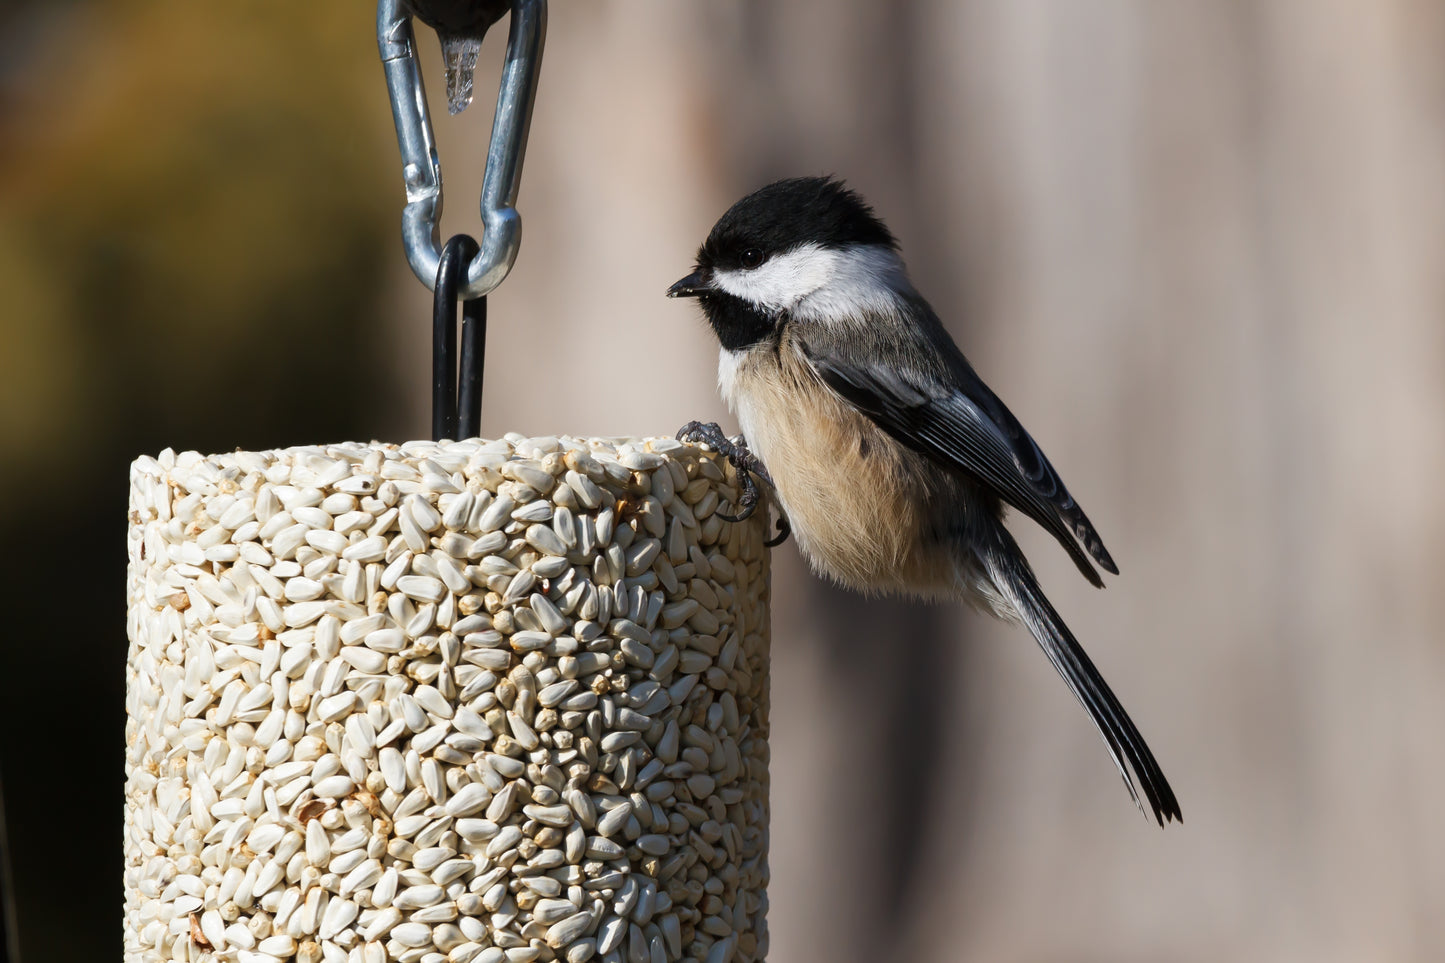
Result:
{"points": [[752, 257]]}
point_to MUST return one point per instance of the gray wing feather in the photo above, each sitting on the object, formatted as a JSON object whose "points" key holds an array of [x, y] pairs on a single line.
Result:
{"points": [[1036, 469], [951, 416]]}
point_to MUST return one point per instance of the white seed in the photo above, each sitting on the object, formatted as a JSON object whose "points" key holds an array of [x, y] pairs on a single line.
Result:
{"points": [[551, 619], [496, 514], [551, 910], [557, 816], [530, 641], [553, 694], [472, 724], [334, 787], [612, 822], [599, 847], [472, 798], [422, 587], [477, 830], [364, 875], [509, 836], [569, 929], [426, 517], [339, 914], [545, 539], [459, 511], [415, 897], [653, 845], [535, 511], [411, 934], [333, 708]]}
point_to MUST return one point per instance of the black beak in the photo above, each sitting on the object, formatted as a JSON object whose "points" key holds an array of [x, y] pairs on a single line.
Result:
{"points": [[694, 285]]}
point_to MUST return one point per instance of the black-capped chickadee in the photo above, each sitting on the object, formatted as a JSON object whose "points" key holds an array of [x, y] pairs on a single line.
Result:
{"points": [[891, 458]]}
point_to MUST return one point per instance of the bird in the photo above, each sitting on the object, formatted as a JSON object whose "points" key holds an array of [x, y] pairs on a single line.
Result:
{"points": [[891, 459], [460, 25]]}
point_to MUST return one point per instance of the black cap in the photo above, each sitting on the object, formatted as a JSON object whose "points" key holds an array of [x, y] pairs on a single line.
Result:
{"points": [[785, 214]]}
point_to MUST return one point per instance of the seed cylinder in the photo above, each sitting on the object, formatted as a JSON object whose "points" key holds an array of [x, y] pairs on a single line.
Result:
{"points": [[446, 702]]}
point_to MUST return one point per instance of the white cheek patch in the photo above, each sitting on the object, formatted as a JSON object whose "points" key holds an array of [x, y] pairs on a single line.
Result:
{"points": [[782, 280], [866, 280], [821, 284]]}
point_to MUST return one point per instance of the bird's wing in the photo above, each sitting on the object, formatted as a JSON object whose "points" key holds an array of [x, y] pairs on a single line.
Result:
{"points": [[1036, 469], [963, 426]]}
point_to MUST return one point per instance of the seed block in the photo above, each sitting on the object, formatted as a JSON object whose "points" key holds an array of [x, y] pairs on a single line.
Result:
{"points": [[495, 701]]}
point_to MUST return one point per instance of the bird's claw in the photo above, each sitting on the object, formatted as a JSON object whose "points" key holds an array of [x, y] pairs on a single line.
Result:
{"points": [[736, 452], [746, 464]]}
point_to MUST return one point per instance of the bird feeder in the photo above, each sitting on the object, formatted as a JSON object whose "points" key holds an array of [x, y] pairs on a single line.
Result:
{"points": [[446, 701]]}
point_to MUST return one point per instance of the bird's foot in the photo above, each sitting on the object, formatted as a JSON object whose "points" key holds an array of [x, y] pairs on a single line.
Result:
{"points": [[735, 451], [747, 465]]}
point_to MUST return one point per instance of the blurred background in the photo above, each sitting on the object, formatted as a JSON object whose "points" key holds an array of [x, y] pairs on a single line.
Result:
{"points": [[1197, 246]]}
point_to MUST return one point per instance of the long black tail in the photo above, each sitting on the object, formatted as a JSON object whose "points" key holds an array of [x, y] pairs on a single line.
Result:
{"points": [[1015, 581]]}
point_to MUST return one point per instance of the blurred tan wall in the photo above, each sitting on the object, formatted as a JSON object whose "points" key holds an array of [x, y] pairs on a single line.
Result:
{"points": [[1196, 246]]}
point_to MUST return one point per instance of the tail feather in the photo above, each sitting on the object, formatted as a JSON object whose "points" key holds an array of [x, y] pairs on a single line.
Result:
{"points": [[1015, 582]]}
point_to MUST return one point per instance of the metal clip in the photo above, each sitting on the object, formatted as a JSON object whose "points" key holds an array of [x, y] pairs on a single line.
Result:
{"points": [[421, 169]]}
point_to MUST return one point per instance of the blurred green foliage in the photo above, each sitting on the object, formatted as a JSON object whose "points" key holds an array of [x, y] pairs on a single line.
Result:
{"points": [[199, 206], [195, 204]]}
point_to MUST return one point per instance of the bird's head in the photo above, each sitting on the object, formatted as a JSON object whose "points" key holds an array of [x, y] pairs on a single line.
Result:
{"points": [[806, 247]]}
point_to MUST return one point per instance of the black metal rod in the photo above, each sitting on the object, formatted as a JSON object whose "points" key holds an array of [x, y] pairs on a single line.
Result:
{"points": [[9, 903], [456, 255], [474, 359], [444, 346]]}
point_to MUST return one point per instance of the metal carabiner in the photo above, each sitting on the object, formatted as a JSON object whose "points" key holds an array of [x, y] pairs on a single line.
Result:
{"points": [[421, 169]]}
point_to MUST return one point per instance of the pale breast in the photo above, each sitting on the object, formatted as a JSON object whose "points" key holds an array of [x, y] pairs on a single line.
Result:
{"points": [[856, 499]]}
